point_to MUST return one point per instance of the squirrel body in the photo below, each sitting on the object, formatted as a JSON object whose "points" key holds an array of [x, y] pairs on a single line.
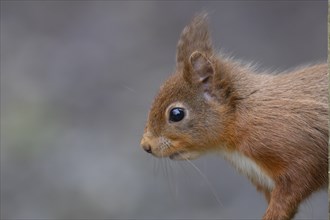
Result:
{"points": [[272, 127]]}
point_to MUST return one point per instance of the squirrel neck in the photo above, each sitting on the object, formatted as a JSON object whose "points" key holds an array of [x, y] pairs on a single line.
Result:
{"points": [[239, 84]]}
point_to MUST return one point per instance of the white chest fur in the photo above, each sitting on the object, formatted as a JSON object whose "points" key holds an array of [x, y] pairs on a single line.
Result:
{"points": [[249, 168]]}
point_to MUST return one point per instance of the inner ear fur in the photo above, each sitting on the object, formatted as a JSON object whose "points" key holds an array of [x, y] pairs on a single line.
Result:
{"points": [[200, 69]]}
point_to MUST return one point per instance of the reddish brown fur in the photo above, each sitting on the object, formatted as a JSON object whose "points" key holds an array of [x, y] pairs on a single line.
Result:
{"points": [[279, 121]]}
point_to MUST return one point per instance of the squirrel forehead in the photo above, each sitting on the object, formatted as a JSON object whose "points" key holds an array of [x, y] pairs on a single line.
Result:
{"points": [[174, 89]]}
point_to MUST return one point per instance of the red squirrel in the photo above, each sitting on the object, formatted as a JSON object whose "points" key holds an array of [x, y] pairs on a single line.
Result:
{"points": [[272, 127]]}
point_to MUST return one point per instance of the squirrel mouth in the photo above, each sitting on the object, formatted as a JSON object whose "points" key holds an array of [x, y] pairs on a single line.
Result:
{"points": [[176, 156], [184, 155]]}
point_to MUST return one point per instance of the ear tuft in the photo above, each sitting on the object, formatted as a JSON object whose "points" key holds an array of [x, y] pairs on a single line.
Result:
{"points": [[194, 37]]}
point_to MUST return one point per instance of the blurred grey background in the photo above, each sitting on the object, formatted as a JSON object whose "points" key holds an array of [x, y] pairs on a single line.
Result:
{"points": [[77, 80]]}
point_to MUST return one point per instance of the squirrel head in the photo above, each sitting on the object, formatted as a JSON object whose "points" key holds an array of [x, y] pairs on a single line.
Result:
{"points": [[190, 112]]}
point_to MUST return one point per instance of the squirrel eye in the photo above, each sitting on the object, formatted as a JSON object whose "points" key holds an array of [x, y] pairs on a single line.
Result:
{"points": [[176, 114]]}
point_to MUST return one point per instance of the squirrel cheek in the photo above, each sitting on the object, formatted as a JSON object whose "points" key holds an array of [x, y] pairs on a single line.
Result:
{"points": [[164, 143]]}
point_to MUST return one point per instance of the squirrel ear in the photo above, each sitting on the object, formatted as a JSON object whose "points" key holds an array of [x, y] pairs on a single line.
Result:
{"points": [[194, 37], [201, 70]]}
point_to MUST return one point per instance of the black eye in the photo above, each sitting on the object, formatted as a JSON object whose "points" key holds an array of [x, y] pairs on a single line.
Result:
{"points": [[176, 114]]}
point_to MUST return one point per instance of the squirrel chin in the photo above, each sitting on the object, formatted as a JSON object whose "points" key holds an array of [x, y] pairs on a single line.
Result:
{"points": [[184, 155]]}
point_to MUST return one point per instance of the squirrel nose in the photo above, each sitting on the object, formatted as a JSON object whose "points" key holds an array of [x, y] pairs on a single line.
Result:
{"points": [[145, 145], [147, 148]]}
